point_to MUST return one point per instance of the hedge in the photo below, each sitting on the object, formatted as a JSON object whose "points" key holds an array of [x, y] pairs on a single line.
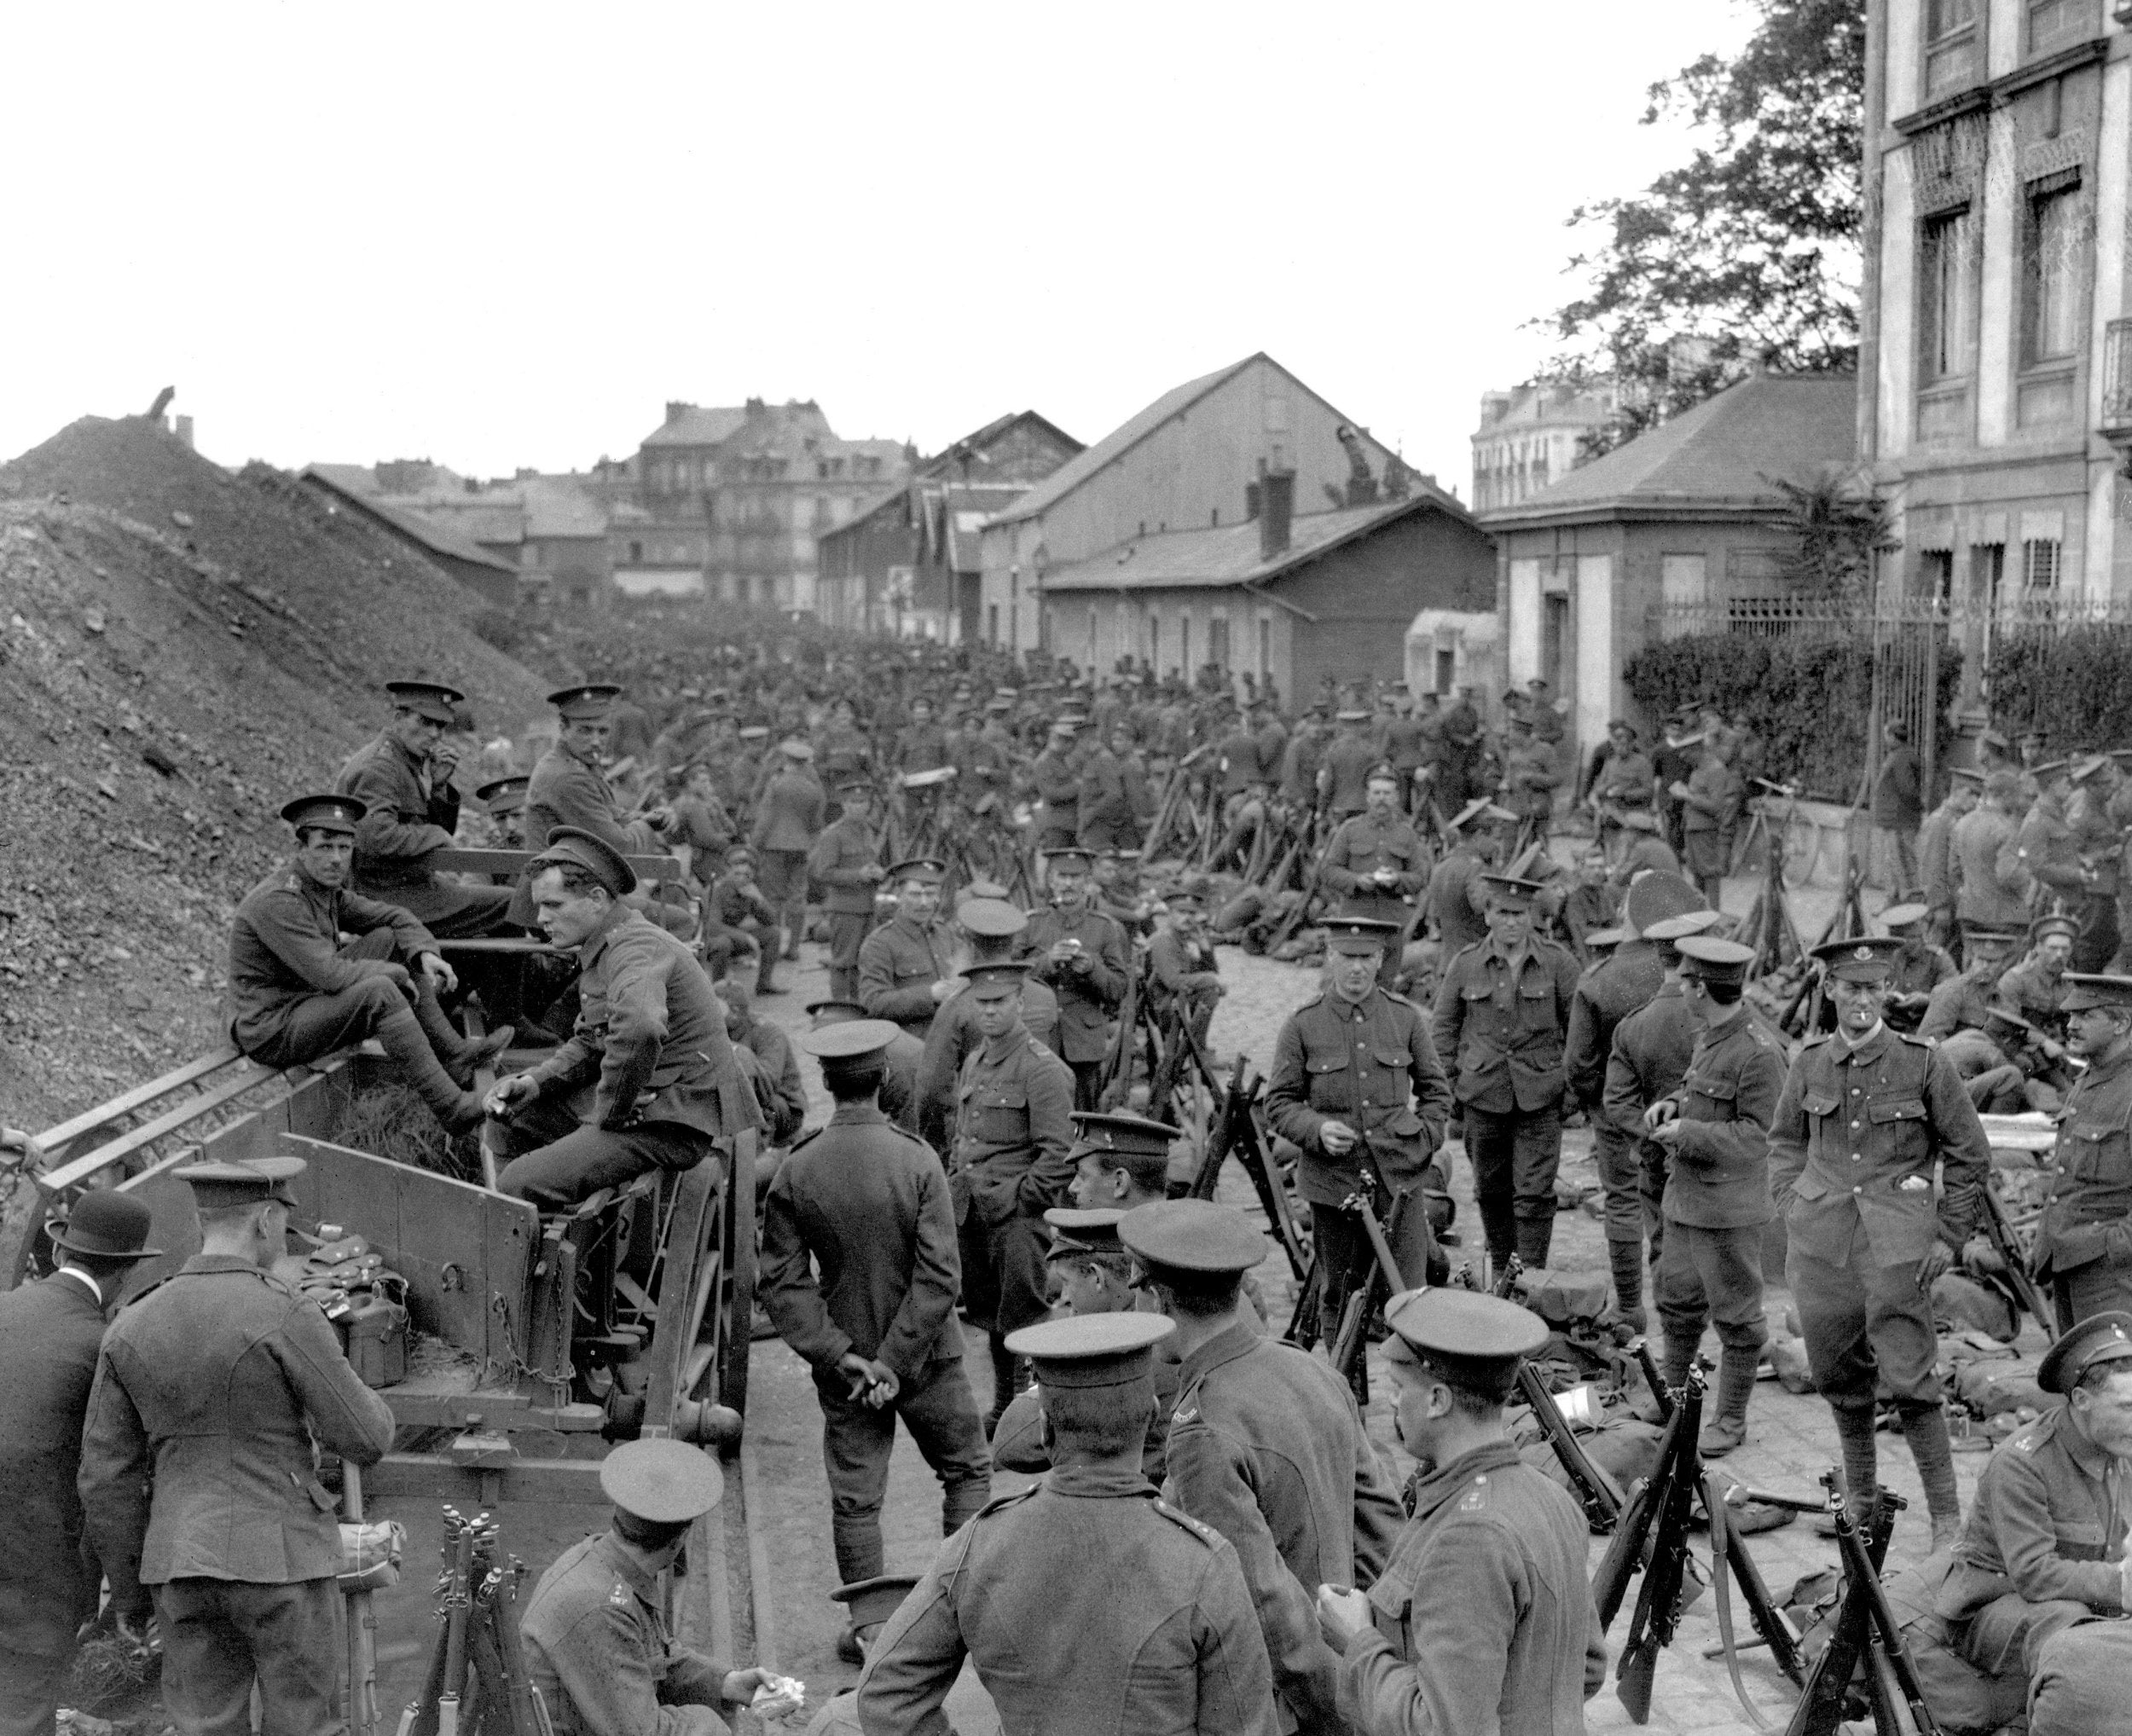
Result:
{"points": [[2073, 683], [1809, 698]]}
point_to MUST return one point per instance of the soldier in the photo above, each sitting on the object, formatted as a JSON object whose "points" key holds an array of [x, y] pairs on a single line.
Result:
{"points": [[780, 1092], [504, 799], [595, 1632], [899, 1093], [1715, 1131], [1710, 811], [2083, 1244], [2098, 834], [2042, 1558], [647, 1079], [220, 1385], [1644, 850], [1898, 805], [1265, 1446], [1938, 865], [1089, 1607], [403, 778], [2047, 845], [1920, 966], [1080, 955], [702, 831], [990, 927], [1377, 864], [842, 861], [789, 816], [866, 1208], [1530, 776], [1502, 1011], [921, 745], [737, 921], [50, 1332], [1645, 1062], [1458, 903], [1112, 794], [2036, 988], [567, 788], [1992, 884], [907, 969], [1623, 783], [1057, 779], [1183, 970], [1482, 1618], [1356, 1086], [1008, 1164], [1865, 1114], [1961, 1001], [1343, 770], [297, 993]]}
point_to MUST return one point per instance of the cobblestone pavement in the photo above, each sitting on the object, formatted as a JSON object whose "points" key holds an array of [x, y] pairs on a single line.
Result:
{"points": [[1791, 1439]]}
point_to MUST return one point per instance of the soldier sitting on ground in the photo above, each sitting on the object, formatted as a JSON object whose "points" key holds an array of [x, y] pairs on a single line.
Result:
{"points": [[296, 992]]}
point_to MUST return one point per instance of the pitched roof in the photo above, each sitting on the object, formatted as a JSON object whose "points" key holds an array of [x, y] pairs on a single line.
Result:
{"points": [[698, 425], [943, 462], [1119, 441], [1228, 554], [1728, 452], [354, 483], [561, 507]]}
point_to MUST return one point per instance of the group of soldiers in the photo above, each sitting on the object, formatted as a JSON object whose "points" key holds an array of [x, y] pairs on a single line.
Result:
{"points": [[1214, 1543]]}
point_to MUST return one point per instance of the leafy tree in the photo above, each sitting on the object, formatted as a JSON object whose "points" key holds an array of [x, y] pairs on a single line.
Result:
{"points": [[1747, 253], [1836, 521]]}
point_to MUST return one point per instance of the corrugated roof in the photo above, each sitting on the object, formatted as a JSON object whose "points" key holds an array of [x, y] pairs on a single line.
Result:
{"points": [[1729, 449], [431, 535], [1228, 554], [1120, 440], [700, 425]]}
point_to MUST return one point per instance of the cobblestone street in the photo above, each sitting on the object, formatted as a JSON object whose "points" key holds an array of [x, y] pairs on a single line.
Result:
{"points": [[1791, 1439]]}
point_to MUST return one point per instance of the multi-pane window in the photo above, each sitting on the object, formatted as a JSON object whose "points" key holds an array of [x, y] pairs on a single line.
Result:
{"points": [[1945, 258], [2040, 562], [2052, 250], [1942, 17]]}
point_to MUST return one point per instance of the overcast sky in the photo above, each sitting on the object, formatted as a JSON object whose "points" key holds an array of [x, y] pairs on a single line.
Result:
{"points": [[505, 236]]}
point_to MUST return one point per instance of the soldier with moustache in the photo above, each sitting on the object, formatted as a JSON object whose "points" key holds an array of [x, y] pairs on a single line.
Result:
{"points": [[403, 778], [1265, 1446], [1502, 1010], [860, 1270], [215, 1394], [1377, 863], [1482, 1616], [1183, 968], [647, 1079], [989, 926], [1865, 1115], [906, 967], [2082, 1248], [1081, 956], [1356, 1086], [844, 862], [1088, 1606]]}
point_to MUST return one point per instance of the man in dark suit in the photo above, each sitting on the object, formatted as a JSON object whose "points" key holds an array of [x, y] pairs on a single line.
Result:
{"points": [[49, 1333]]}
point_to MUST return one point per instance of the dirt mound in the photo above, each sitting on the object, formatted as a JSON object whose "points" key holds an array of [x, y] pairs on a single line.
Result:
{"points": [[180, 651]]}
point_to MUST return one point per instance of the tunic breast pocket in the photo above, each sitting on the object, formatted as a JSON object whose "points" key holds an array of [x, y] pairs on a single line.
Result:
{"points": [[1329, 1086], [1901, 1121], [1535, 1005], [2096, 1151], [999, 1114], [1709, 1099]]}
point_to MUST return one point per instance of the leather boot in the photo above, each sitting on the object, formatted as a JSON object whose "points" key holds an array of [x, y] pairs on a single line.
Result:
{"points": [[1736, 1385], [406, 1042], [1626, 1260], [459, 1057], [1925, 1428], [1003, 1373]]}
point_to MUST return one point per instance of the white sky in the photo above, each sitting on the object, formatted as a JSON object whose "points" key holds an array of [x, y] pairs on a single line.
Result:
{"points": [[498, 236]]}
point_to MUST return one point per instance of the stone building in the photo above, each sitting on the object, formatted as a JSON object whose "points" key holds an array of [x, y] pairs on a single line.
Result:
{"points": [[1529, 437]]}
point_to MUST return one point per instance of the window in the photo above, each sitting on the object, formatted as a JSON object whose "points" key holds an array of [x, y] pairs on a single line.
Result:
{"points": [[1091, 635], [1943, 17], [1987, 573], [1185, 646], [2052, 24], [2040, 562], [2052, 245], [636, 553], [1265, 647], [1683, 581], [1446, 670], [1155, 641], [1946, 256], [1218, 642], [991, 623]]}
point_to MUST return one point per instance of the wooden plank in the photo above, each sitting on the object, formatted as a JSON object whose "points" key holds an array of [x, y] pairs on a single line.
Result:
{"points": [[454, 860], [506, 1413], [124, 1104], [430, 1477], [73, 1174], [462, 1249], [497, 945]]}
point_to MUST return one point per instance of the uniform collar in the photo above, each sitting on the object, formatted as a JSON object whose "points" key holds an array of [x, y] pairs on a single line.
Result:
{"points": [[1224, 1346], [997, 1048], [1432, 1491], [1867, 1051], [1352, 1010], [218, 1262], [857, 1115], [1097, 1483], [630, 1570], [589, 947]]}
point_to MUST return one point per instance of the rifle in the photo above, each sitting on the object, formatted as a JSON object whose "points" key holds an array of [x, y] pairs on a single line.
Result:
{"points": [[1385, 1282], [1599, 1493], [1865, 1628], [2001, 1233]]}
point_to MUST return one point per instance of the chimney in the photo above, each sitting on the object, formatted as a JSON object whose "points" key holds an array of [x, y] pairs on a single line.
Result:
{"points": [[185, 430], [1250, 501], [1277, 499], [674, 408]]}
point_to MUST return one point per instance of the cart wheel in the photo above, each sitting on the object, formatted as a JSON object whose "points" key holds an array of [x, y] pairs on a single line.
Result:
{"points": [[736, 1313]]}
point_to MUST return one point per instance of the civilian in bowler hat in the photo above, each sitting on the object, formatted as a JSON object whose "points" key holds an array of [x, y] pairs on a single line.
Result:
{"points": [[198, 1482], [49, 1334]]}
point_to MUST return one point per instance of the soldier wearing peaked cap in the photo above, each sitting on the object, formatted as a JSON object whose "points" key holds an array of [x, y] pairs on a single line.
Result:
{"points": [[1008, 1162], [907, 969], [199, 1477], [1081, 956], [594, 1631], [1714, 1128], [1183, 970], [1089, 1607], [990, 928], [1502, 1013], [2083, 1244], [859, 1273], [504, 800], [2042, 1563], [1376, 862], [647, 1079], [567, 787], [50, 1332], [1456, 901], [843, 861], [1865, 1115], [298, 992], [1482, 1617], [1265, 1446], [403, 778], [1356, 1086]]}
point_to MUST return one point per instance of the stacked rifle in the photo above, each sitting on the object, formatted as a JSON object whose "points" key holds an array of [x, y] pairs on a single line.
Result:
{"points": [[477, 1680]]}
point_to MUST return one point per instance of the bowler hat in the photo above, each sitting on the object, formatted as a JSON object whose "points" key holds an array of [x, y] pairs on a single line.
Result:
{"points": [[103, 1222]]}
